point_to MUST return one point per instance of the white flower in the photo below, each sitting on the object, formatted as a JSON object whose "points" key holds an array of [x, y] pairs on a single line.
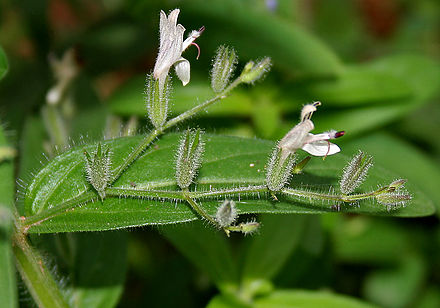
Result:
{"points": [[171, 47], [300, 137]]}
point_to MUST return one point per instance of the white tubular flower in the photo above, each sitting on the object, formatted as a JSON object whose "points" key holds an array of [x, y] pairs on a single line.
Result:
{"points": [[171, 47], [300, 137]]}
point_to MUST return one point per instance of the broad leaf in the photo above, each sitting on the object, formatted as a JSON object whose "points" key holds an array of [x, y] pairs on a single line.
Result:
{"points": [[4, 65], [228, 162], [292, 299]]}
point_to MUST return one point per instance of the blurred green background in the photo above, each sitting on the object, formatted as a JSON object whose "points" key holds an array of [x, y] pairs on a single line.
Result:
{"points": [[374, 64]]}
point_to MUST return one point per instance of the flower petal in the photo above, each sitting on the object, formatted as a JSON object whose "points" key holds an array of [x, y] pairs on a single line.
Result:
{"points": [[321, 148], [183, 70]]}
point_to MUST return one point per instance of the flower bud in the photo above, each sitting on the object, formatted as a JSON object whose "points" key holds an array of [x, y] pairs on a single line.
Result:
{"points": [[222, 67], [252, 72], [355, 172], [189, 157], [245, 228], [98, 169], [279, 169], [226, 213], [157, 97], [394, 196]]}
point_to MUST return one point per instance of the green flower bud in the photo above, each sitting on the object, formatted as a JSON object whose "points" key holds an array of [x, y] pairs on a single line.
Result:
{"points": [[157, 97], [245, 228], [222, 67], [226, 213], [279, 169], [355, 172], [189, 157], [98, 169], [252, 72]]}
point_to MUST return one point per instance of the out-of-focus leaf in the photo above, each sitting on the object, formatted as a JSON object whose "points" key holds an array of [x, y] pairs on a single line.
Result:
{"points": [[403, 158], [4, 65], [419, 75], [293, 299], [8, 291], [206, 249], [430, 298], [355, 240], [256, 33], [360, 85], [228, 162], [269, 250], [119, 40], [130, 99], [100, 264], [396, 287]]}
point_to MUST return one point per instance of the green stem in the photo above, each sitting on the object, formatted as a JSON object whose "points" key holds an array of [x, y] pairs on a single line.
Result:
{"points": [[189, 196], [55, 126], [199, 210], [189, 113], [160, 130], [135, 153], [35, 274]]}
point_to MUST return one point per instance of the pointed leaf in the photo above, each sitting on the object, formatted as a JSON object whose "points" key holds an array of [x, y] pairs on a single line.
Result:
{"points": [[54, 194]]}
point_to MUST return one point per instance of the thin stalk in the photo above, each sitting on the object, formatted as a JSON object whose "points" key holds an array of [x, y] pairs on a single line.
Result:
{"points": [[135, 153], [158, 131], [199, 210], [35, 274]]}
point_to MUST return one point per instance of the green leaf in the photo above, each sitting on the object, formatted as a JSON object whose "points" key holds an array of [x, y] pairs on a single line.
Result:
{"points": [[228, 162], [389, 80], [8, 290], [207, 250], [129, 99], [257, 33], [99, 269], [359, 85], [398, 286], [293, 299], [4, 65], [269, 250], [355, 240], [403, 158]]}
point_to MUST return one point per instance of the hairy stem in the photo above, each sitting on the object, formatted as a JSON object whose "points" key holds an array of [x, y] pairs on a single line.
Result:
{"points": [[35, 274], [199, 210]]}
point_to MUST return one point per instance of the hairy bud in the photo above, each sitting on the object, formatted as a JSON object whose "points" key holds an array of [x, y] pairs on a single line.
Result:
{"points": [[222, 67], [189, 157], [394, 195], [246, 228], [157, 97], [98, 169], [252, 72], [279, 169], [355, 172], [226, 213]]}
